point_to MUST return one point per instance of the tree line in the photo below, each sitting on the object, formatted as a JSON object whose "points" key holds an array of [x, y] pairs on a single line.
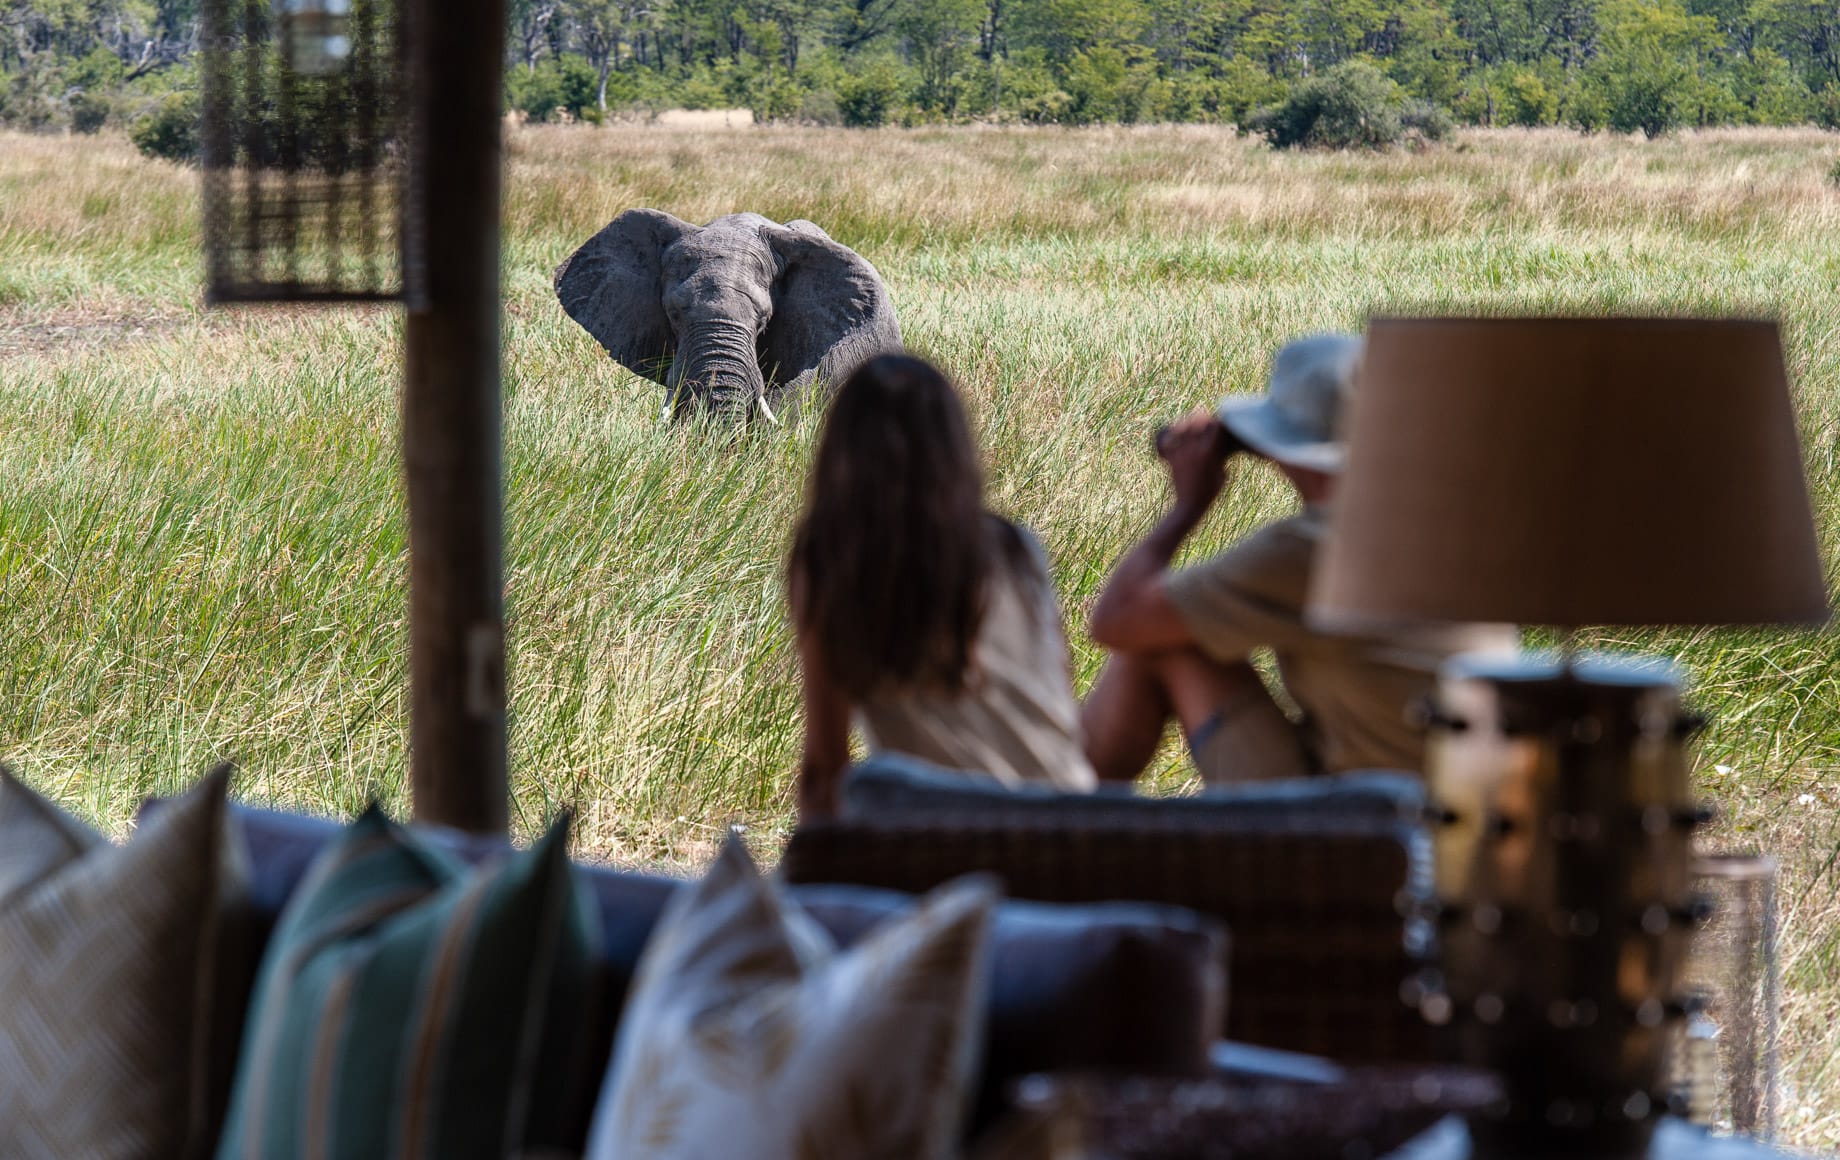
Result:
{"points": [[1626, 65], [1622, 64]]}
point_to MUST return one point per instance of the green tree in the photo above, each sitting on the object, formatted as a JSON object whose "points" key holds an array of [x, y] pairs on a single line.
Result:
{"points": [[1109, 84], [1061, 28], [530, 29], [1648, 70], [1807, 33], [599, 27], [1765, 83], [1423, 50], [941, 37], [856, 24]]}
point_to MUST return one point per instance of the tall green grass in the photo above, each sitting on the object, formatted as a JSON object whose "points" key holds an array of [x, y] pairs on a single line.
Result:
{"points": [[201, 525]]}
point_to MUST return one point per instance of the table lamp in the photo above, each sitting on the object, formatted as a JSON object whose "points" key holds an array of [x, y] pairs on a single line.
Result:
{"points": [[1566, 473]]}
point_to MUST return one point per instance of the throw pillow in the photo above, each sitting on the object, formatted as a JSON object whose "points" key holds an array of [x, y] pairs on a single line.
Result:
{"points": [[106, 973], [407, 1005], [747, 1033]]}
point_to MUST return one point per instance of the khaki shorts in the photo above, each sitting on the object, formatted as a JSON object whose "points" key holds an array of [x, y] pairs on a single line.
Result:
{"points": [[1251, 740]]}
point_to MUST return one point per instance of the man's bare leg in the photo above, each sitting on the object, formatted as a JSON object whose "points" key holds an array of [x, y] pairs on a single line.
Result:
{"points": [[1123, 716], [1137, 693]]}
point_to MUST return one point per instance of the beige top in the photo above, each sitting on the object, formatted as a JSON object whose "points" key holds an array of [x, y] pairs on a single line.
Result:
{"points": [[1355, 692], [1016, 720]]}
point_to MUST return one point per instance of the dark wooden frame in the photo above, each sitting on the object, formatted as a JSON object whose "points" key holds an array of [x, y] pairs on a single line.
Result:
{"points": [[451, 416]]}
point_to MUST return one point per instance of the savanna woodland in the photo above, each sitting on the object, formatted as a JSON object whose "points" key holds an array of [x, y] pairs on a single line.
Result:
{"points": [[1416, 65]]}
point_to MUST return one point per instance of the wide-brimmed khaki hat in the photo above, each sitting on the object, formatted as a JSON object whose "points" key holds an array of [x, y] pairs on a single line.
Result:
{"points": [[1298, 419]]}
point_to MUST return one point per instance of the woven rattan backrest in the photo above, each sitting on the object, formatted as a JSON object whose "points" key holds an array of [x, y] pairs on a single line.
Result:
{"points": [[1325, 913]]}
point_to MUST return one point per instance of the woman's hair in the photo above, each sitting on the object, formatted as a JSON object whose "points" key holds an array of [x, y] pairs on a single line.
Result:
{"points": [[890, 561]]}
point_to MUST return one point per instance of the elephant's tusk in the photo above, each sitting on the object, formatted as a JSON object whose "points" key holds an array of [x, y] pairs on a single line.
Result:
{"points": [[768, 411]]}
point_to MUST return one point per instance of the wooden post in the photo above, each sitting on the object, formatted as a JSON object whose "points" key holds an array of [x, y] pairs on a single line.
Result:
{"points": [[451, 417]]}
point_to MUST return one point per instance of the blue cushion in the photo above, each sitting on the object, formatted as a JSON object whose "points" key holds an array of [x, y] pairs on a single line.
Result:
{"points": [[894, 783]]}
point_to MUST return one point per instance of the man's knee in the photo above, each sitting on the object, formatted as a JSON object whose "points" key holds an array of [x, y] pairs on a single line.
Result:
{"points": [[1197, 686], [1184, 665], [1236, 677]]}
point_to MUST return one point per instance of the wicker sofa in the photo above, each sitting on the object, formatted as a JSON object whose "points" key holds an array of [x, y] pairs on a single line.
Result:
{"points": [[1323, 883]]}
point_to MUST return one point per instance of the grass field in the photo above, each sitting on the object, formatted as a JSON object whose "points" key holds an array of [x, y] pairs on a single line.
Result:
{"points": [[201, 526]]}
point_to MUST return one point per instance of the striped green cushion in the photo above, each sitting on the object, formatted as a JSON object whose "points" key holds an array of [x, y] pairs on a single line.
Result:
{"points": [[404, 1001]]}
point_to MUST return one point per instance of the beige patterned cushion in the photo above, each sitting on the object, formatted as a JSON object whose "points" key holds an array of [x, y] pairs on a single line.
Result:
{"points": [[105, 965], [748, 1033]]}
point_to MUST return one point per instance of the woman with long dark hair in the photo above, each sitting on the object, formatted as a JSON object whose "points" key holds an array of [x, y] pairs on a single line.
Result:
{"points": [[922, 616]]}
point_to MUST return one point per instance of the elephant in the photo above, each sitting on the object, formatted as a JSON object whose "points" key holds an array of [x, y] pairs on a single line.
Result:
{"points": [[742, 315]]}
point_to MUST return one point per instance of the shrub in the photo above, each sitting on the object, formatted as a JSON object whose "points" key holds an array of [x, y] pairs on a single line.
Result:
{"points": [[1833, 173], [1049, 107], [1827, 106], [1527, 101], [1352, 105], [170, 129], [819, 107], [568, 84], [1196, 97], [866, 98], [1650, 102], [702, 89], [89, 112], [533, 92], [1025, 80], [777, 99], [1582, 107], [1425, 121], [979, 86], [30, 97]]}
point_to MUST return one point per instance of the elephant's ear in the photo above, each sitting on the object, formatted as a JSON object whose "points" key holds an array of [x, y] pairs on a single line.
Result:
{"points": [[614, 287], [831, 312]]}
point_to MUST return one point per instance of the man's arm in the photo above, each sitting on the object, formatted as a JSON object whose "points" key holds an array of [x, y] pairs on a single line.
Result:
{"points": [[1134, 612]]}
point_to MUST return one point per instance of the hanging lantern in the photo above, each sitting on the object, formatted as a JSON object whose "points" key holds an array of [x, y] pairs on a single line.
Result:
{"points": [[316, 35], [304, 151]]}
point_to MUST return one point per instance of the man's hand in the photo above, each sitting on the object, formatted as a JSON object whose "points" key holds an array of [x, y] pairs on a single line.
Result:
{"points": [[1196, 448]]}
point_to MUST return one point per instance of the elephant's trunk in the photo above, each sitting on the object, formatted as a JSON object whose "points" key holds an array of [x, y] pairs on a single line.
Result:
{"points": [[717, 368]]}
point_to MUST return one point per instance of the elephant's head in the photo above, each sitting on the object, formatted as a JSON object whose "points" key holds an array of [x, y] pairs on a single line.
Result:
{"points": [[734, 316]]}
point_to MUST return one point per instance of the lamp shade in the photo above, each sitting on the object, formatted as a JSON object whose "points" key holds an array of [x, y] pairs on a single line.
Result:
{"points": [[1570, 472]]}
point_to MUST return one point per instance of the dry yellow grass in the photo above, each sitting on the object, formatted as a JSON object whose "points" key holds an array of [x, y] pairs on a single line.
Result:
{"points": [[201, 534]]}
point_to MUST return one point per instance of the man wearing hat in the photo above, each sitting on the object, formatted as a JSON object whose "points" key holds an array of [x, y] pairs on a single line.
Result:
{"points": [[1182, 640]]}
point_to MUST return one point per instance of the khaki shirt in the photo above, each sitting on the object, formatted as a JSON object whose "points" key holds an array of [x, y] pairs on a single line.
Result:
{"points": [[1016, 721], [1355, 692]]}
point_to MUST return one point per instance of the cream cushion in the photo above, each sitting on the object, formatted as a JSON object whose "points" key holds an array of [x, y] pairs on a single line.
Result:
{"points": [[748, 1033], [106, 966]]}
